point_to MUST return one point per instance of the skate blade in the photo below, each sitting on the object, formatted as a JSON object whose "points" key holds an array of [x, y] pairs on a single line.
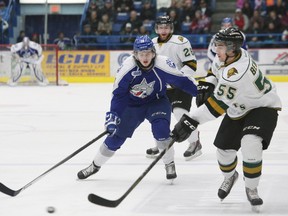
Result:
{"points": [[256, 208], [197, 154]]}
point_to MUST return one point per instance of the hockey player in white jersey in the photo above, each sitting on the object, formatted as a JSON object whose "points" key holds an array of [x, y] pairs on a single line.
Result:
{"points": [[28, 54], [179, 49], [251, 104], [206, 88]]}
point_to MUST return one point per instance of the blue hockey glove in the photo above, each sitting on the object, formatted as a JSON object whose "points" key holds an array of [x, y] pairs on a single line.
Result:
{"points": [[184, 128], [111, 122]]}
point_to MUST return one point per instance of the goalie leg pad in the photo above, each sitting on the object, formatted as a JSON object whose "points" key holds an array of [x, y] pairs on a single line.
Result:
{"points": [[16, 73], [38, 74]]}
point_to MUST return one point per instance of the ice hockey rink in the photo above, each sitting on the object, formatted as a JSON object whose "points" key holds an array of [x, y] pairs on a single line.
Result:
{"points": [[40, 126]]}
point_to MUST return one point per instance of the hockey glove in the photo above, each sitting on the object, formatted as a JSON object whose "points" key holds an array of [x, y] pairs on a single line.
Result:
{"points": [[184, 128], [205, 89], [111, 122]]}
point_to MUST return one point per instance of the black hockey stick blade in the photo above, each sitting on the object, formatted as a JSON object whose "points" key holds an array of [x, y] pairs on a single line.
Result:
{"points": [[93, 198], [4, 189]]}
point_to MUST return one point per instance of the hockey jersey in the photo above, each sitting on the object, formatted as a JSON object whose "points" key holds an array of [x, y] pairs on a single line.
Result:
{"points": [[179, 50], [34, 49], [134, 87], [240, 87]]}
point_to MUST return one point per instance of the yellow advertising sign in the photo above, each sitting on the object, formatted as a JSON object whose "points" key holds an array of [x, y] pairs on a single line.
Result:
{"points": [[80, 66]]}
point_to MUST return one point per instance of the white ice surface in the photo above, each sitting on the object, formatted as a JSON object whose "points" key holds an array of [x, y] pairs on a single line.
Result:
{"points": [[40, 126]]}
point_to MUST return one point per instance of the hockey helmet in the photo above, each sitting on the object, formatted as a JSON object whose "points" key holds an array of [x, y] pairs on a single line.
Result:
{"points": [[143, 42], [164, 20], [25, 43], [231, 37], [227, 20]]}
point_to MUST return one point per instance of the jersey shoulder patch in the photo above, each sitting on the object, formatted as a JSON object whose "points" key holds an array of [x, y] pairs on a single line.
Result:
{"points": [[170, 63], [164, 62], [179, 39], [235, 71]]}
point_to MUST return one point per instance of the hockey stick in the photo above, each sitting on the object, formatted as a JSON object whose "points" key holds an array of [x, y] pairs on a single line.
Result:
{"points": [[10, 192], [93, 198]]}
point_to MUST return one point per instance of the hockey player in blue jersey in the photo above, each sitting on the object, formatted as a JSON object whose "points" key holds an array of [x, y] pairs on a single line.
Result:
{"points": [[139, 93], [27, 54]]}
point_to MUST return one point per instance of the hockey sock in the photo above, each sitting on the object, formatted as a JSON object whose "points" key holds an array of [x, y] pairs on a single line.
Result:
{"points": [[103, 155]]}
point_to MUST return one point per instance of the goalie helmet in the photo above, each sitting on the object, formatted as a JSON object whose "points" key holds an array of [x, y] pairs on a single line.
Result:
{"points": [[25, 43], [164, 20], [231, 37]]}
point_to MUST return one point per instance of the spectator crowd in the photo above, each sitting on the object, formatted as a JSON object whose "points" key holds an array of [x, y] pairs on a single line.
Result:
{"points": [[129, 18]]}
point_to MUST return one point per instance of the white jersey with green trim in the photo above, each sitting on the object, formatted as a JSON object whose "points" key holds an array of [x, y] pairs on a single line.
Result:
{"points": [[177, 48], [242, 86]]}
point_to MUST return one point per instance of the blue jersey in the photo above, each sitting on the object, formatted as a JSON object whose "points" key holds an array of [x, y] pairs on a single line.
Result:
{"points": [[135, 87]]}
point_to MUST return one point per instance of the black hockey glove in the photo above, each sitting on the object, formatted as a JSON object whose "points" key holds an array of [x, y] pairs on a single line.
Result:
{"points": [[184, 128], [205, 89]]}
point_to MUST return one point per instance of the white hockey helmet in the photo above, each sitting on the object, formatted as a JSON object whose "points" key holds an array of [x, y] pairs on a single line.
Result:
{"points": [[25, 42]]}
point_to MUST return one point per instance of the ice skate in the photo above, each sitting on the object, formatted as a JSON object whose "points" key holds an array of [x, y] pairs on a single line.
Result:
{"points": [[254, 199], [193, 151], [227, 185], [152, 152], [170, 171], [90, 170]]}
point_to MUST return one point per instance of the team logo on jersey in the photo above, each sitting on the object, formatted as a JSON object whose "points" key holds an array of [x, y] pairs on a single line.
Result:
{"points": [[143, 89], [170, 63], [231, 72], [180, 38], [136, 73]]}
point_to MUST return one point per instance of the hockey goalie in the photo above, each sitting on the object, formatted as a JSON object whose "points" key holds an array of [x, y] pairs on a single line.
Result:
{"points": [[27, 55]]}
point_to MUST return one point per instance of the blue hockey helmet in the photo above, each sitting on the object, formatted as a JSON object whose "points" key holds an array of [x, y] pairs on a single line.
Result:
{"points": [[143, 42], [226, 22]]}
